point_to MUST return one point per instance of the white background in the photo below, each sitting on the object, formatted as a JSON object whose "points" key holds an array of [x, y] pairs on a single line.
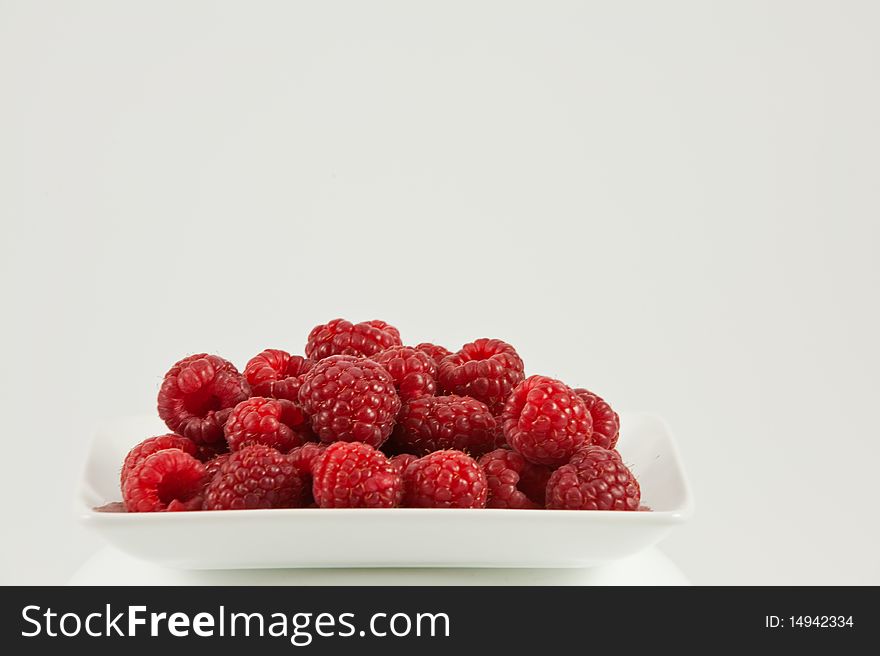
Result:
{"points": [[675, 204]]}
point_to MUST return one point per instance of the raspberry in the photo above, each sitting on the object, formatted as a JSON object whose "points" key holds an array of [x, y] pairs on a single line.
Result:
{"points": [[149, 446], [277, 374], [513, 481], [413, 371], [546, 421], [594, 479], [355, 475], [433, 423], [433, 351], [213, 465], [387, 327], [445, 479], [350, 399], [486, 369], [216, 360], [606, 422], [197, 395], [170, 479], [258, 476], [341, 337], [278, 423], [304, 458], [403, 460]]}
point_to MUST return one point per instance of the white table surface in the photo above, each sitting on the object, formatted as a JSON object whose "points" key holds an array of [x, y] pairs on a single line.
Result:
{"points": [[109, 566]]}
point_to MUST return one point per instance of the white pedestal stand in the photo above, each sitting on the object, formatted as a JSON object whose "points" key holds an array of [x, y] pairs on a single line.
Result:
{"points": [[109, 566]]}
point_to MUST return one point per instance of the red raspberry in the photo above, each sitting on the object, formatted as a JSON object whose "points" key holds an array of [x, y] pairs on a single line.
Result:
{"points": [[197, 395], [445, 479], [278, 423], [216, 360], [387, 327], [413, 371], [170, 479], [341, 337], [546, 421], [350, 399], [355, 475], [606, 422], [258, 476], [277, 374], [213, 465], [514, 482], [487, 370], [433, 423], [304, 458], [433, 351], [594, 479], [152, 444], [403, 460]]}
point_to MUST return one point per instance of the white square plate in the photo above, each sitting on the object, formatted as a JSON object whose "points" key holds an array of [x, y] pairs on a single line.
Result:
{"points": [[400, 537]]}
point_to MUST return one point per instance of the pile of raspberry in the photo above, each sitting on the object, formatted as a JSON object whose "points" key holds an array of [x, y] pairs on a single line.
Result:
{"points": [[362, 421]]}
